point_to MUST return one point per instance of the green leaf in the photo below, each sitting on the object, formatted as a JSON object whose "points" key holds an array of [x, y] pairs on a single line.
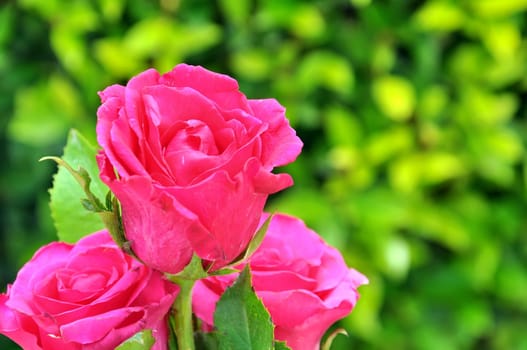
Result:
{"points": [[440, 16], [140, 341], [206, 340], [325, 69], [280, 345], [68, 202], [241, 320], [236, 12], [395, 96], [44, 111]]}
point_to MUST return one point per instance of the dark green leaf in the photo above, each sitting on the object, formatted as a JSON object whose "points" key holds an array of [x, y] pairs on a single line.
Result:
{"points": [[206, 340], [241, 320]]}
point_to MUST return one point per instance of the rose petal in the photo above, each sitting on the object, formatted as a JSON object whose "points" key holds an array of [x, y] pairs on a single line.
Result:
{"points": [[160, 333], [218, 87], [123, 150], [222, 236], [204, 302], [346, 290], [270, 183], [37, 269], [93, 329], [291, 307], [96, 239], [284, 236], [332, 269], [112, 126], [168, 105], [17, 327], [281, 145], [146, 208], [281, 280]]}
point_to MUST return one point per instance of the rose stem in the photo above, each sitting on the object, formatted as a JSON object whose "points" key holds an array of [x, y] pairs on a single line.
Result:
{"points": [[183, 315]]}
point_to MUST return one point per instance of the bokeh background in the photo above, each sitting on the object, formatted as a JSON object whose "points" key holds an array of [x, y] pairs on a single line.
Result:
{"points": [[413, 115]]}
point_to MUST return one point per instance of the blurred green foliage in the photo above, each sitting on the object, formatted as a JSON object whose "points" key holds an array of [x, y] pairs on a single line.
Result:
{"points": [[413, 115]]}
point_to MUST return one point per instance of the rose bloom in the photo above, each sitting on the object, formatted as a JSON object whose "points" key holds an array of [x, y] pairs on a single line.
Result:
{"points": [[85, 296], [190, 157], [304, 284]]}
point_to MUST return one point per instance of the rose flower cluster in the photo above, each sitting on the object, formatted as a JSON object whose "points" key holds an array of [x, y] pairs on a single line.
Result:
{"points": [[190, 160]]}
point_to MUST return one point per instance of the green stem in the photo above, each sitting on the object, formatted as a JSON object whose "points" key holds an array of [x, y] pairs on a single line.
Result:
{"points": [[183, 314], [182, 308]]}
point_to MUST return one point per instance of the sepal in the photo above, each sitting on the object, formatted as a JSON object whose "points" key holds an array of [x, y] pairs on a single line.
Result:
{"points": [[192, 272], [253, 245], [332, 336]]}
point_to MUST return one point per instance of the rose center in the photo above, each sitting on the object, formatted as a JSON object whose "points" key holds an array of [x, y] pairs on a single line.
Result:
{"points": [[193, 135], [78, 286], [85, 282], [190, 151]]}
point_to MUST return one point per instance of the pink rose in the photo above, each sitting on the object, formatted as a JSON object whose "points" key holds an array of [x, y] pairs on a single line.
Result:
{"points": [[190, 159], [304, 284], [85, 296]]}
